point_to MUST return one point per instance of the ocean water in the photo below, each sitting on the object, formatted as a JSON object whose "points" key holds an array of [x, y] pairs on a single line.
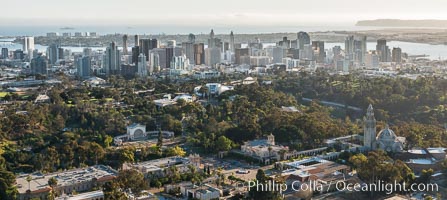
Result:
{"points": [[433, 51], [150, 30]]}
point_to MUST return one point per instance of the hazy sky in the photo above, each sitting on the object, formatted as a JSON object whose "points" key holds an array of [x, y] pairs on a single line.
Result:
{"points": [[214, 12]]}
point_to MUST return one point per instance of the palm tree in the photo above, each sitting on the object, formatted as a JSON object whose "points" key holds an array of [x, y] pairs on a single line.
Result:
{"points": [[29, 179], [52, 182], [204, 91], [282, 153]]}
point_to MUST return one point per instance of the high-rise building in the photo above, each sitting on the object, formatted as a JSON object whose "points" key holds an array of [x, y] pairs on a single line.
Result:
{"points": [[277, 54], [284, 43], [318, 47], [162, 55], [349, 47], [61, 53], [293, 53], [128, 70], [212, 56], [256, 44], [259, 61], [291, 63], [239, 53], [170, 53], [191, 38], [137, 40], [188, 50], [67, 53], [28, 45], [179, 62], [154, 62], [148, 44], [211, 39], [199, 53], [364, 48], [142, 65], [125, 44], [303, 39], [237, 46], [337, 56], [18, 55], [294, 44], [372, 60], [355, 49], [35, 53], [171, 43], [383, 50], [135, 54], [225, 46], [87, 52], [358, 57], [84, 65], [214, 42], [39, 65], [231, 41], [52, 34], [112, 60], [397, 55], [5, 53], [307, 53], [54, 53]]}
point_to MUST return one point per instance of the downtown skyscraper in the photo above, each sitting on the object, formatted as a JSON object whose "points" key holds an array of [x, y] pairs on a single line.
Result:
{"points": [[142, 65], [232, 41], [84, 65], [39, 65], [54, 53], [145, 45], [112, 60], [303, 39], [28, 45], [125, 44], [383, 51]]}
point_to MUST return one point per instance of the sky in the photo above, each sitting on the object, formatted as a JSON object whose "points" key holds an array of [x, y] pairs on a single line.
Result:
{"points": [[214, 12]]}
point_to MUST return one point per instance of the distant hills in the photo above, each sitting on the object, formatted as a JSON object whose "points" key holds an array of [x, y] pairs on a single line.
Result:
{"points": [[404, 23]]}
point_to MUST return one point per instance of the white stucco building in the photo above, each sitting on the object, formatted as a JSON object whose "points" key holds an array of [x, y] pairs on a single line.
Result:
{"points": [[134, 132], [386, 140], [265, 149]]}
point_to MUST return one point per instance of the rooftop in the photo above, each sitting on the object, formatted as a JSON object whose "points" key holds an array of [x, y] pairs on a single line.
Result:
{"points": [[88, 195], [421, 161], [135, 125], [158, 164], [436, 150], [260, 142], [39, 182], [417, 151], [306, 162], [290, 109]]}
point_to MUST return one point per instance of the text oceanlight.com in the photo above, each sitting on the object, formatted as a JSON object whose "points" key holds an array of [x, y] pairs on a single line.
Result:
{"points": [[379, 186]]}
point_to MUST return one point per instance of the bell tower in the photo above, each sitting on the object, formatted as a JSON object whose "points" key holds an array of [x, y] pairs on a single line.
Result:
{"points": [[369, 128], [271, 139]]}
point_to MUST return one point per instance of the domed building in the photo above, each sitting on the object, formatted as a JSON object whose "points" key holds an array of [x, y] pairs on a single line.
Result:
{"points": [[385, 140], [388, 141]]}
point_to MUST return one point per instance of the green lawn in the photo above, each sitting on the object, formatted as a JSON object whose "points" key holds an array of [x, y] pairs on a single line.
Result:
{"points": [[3, 94]]}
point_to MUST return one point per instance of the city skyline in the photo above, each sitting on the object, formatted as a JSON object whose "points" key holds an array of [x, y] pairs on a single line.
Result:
{"points": [[205, 13], [199, 99]]}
